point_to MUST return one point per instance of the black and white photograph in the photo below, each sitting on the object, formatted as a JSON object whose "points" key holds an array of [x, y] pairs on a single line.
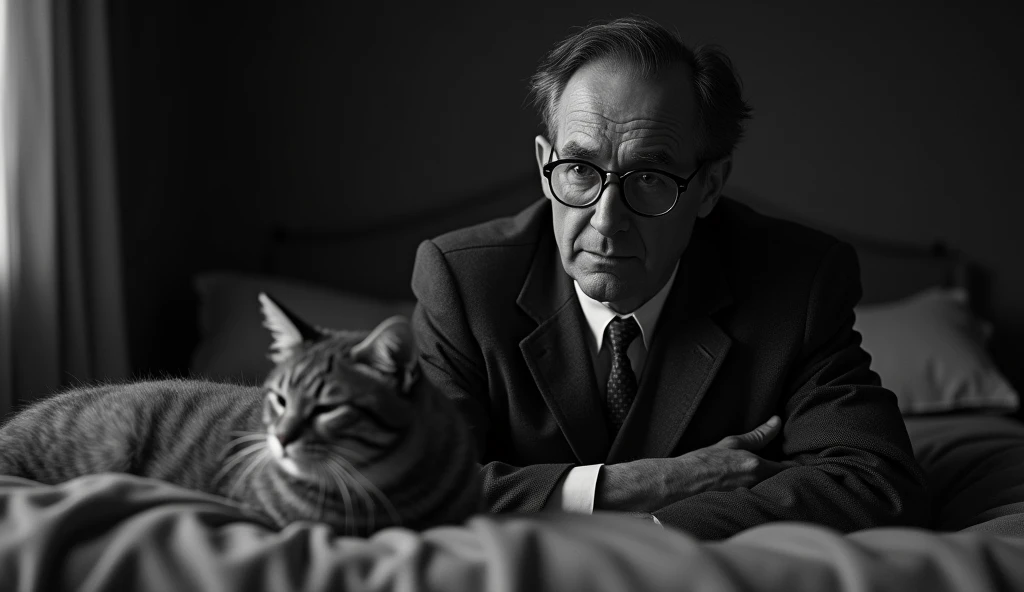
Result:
{"points": [[720, 296]]}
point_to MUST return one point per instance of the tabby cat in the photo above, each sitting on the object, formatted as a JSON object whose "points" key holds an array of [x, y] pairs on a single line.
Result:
{"points": [[342, 431]]}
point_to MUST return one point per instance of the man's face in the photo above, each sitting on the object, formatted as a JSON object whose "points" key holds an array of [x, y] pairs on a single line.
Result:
{"points": [[620, 122]]}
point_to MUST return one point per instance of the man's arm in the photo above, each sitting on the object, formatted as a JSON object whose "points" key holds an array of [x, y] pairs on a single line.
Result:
{"points": [[451, 359], [854, 467], [648, 484]]}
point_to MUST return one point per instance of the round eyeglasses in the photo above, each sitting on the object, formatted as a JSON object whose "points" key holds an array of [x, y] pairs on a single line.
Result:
{"points": [[647, 192]]}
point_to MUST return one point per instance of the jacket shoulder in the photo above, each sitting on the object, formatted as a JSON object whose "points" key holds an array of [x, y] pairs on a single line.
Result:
{"points": [[520, 230], [487, 263]]}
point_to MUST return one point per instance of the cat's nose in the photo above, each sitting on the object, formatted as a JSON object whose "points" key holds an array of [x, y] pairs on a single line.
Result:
{"points": [[285, 438]]}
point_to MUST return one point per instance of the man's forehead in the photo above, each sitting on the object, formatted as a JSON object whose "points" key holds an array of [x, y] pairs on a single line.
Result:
{"points": [[663, 150], [608, 103]]}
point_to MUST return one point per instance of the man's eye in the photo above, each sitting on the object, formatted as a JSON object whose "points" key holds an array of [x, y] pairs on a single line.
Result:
{"points": [[582, 172], [650, 179]]}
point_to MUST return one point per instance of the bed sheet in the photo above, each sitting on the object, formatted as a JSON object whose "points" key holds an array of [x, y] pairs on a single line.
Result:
{"points": [[121, 532], [975, 470]]}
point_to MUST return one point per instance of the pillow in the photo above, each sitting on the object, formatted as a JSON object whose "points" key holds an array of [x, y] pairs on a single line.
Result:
{"points": [[234, 344], [930, 350]]}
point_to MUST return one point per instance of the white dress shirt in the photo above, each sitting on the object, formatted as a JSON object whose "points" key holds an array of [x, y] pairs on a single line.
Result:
{"points": [[580, 485]]}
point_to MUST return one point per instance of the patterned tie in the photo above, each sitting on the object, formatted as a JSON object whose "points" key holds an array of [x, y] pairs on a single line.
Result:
{"points": [[621, 380]]}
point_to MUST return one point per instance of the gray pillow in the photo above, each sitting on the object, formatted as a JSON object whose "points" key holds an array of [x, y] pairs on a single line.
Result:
{"points": [[930, 349], [233, 342]]}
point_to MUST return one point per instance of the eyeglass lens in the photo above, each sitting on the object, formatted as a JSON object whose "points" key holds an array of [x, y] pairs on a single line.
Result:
{"points": [[647, 192]]}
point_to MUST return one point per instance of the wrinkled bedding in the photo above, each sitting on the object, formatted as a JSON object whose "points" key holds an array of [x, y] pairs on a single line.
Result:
{"points": [[121, 532], [975, 470]]}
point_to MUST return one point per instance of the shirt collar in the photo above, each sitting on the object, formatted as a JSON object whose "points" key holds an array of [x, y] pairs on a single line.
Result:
{"points": [[598, 314]]}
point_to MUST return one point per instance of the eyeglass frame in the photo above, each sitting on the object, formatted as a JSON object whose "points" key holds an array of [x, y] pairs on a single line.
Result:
{"points": [[681, 182]]}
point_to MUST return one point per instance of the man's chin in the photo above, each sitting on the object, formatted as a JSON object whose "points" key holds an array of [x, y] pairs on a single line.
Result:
{"points": [[605, 286]]}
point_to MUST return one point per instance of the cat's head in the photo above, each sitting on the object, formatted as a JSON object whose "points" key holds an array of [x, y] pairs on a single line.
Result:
{"points": [[351, 436], [348, 391]]}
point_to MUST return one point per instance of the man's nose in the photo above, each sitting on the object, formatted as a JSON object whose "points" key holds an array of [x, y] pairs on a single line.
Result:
{"points": [[610, 212]]}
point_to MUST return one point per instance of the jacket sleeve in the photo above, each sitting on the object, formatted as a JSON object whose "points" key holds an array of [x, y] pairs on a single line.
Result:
{"points": [[452, 359], [853, 464]]}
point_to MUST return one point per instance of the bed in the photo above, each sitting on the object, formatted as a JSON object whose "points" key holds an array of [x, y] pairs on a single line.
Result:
{"points": [[922, 319]]}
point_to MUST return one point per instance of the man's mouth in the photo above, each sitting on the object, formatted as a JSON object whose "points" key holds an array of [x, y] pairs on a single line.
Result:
{"points": [[612, 255]]}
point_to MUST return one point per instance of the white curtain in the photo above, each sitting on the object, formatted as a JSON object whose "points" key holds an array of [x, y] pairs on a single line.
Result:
{"points": [[61, 305]]}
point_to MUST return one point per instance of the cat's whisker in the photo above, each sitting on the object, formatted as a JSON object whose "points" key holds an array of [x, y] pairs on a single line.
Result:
{"points": [[257, 460], [321, 491], [347, 452], [383, 498], [346, 498], [367, 499], [226, 452], [255, 464], [249, 437], [238, 454], [236, 458], [245, 433], [395, 517]]}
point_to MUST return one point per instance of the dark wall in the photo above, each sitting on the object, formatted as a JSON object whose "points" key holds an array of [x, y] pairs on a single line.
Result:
{"points": [[194, 136], [897, 120]]}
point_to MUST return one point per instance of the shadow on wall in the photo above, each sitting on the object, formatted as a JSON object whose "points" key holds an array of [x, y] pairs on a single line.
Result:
{"points": [[899, 125]]}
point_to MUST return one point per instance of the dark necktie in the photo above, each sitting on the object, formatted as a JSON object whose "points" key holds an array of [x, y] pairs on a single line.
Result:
{"points": [[621, 380]]}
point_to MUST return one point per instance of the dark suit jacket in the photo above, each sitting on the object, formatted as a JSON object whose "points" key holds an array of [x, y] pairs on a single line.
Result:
{"points": [[759, 322]]}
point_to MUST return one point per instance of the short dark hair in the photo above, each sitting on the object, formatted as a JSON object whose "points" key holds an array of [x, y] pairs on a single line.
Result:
{"points": [[647, 45]]}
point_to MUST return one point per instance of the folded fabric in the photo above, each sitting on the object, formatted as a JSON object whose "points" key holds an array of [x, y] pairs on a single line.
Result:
{"points": [[930, 349], [120, 532], [975, 469]]}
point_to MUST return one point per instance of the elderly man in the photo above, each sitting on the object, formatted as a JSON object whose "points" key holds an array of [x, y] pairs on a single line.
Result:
{"points": [[606, 344]]}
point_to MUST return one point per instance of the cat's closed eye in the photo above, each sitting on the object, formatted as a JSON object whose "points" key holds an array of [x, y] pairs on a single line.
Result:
{"points": [[278, 399], [335, 415], [324, 408]]}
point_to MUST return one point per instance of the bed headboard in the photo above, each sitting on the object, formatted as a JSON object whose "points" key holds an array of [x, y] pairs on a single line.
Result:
{"points": [[377, 259]]}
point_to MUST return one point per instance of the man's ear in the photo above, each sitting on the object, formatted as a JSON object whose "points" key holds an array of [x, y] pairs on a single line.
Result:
{"points": [[714, 182], [543, 148]]}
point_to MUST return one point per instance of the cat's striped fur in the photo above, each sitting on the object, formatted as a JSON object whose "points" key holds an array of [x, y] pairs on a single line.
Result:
{"points": [[342, 432]]}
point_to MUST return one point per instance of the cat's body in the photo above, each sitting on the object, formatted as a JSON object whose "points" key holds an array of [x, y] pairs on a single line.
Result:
{"points": [[341, 432], [174, 430]]}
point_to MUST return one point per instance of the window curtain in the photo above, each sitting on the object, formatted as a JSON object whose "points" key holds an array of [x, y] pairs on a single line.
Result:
{"points": [[61, 304]]}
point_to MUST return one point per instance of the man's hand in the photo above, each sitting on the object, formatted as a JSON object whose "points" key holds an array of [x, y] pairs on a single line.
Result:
{"points": [[646, 485], [731, 463]]}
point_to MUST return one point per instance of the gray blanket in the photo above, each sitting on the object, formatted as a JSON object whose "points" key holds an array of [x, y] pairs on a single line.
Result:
{"points": [[118, 532]]}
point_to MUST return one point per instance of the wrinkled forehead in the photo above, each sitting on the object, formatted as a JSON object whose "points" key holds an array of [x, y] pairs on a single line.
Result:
{"points": [[609, 106]]}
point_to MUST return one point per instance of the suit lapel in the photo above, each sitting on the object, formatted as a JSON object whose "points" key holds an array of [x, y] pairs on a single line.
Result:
{"points": [[558, 356], [687, 350]]}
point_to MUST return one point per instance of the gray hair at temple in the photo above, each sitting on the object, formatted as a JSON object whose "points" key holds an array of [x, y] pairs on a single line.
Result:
{"points": [[647, 45]]}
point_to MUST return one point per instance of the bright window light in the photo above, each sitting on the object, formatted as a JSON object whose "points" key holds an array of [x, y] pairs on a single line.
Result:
{"points": [[4, 181], [6, 287]]}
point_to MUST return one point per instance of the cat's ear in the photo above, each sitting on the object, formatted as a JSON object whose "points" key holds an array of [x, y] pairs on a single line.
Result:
{"points": [[290, 332], [391, 349]]}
